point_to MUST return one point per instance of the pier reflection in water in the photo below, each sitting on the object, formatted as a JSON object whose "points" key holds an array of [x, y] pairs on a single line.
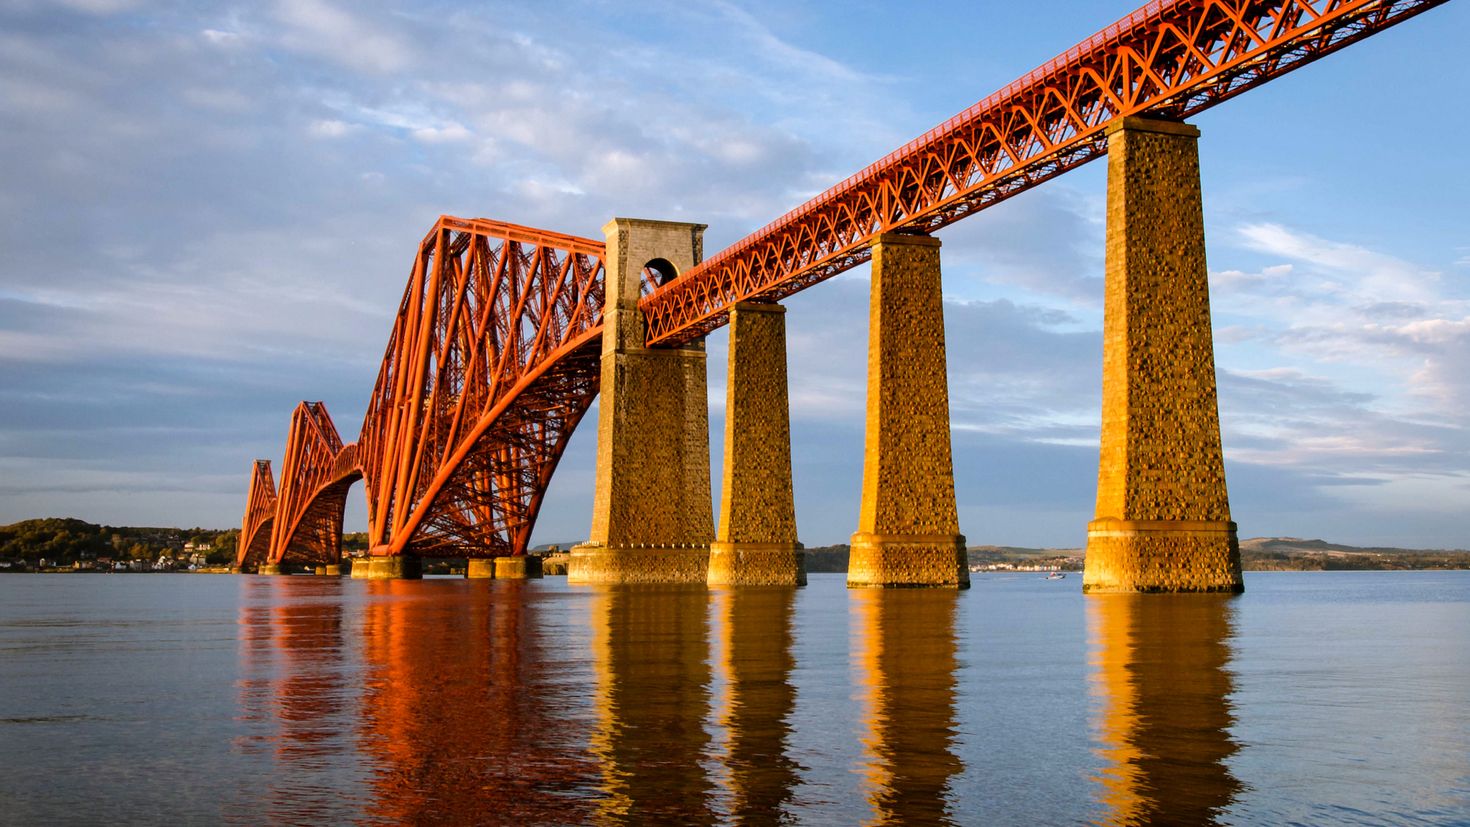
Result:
{"points": [[650, 654], [1162, 706], [1021, 702], [755, 661], [906, 667]]}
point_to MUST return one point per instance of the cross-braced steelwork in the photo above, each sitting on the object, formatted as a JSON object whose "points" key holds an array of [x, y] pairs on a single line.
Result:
{"points": [[491, 364], [1167, 60], [315, 477], [260, 512], [493, 357]]}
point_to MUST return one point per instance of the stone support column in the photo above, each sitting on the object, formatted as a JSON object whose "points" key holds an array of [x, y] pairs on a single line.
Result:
{"points": [[521, 567], [1163, 516], [652, 520], [756, 544], [395, 567], [908, 529]]}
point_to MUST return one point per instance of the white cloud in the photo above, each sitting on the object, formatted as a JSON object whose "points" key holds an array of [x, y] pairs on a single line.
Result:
{"points": [[220, 38], [330, 128], [448, 133], [318, 27]]}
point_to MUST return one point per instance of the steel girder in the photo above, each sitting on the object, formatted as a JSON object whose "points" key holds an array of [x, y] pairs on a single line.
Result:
{"points": [[492, 362], [1170, 59], [254, 544], [316, 475], [493, 357]]}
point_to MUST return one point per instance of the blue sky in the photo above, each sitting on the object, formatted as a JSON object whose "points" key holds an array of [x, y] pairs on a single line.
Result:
{"points": [[208, 212]]}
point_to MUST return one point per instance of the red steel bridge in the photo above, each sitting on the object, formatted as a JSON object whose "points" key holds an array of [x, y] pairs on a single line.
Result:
{"points": [[493, 357]]}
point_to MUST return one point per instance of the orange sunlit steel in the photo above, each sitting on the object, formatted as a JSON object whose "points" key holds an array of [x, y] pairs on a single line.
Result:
{"points": [[492, 362], [260, 512], [1168, 60], [315, 477], [493, 358]]}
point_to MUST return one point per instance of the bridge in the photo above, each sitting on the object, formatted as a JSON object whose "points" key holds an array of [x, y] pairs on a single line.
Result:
{"points": [[506, 334]]}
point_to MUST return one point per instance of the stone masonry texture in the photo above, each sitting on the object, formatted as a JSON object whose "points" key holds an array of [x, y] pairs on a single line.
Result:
{"points": [[651, 516], [756, 544], [1163, 516], [908, 528]]}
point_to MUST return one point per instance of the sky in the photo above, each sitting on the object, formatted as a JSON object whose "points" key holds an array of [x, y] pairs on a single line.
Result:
{"points": [[208, 212]]}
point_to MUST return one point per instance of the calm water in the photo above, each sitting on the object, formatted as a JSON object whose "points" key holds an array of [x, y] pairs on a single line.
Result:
{"points": [[1320, 698]]}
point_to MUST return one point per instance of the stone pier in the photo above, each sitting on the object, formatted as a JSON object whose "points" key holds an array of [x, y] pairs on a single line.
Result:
{"points": [[908, 529], [652, 520], [395, 567], [269, 568], [521, 567], [332, 570], [480, 569], [1163, 516], [756, 544], [361, 567]]}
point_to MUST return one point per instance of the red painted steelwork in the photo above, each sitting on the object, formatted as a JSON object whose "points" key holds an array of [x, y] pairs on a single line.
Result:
{"points": [[260, 511], [1169, 59], [493, 358], [492, 362], [316, 475]]}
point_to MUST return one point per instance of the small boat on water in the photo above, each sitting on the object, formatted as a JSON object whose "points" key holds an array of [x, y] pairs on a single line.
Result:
{"points": [[1056, 575]]}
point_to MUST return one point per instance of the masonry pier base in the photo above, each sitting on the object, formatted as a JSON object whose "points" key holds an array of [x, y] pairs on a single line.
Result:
{"points": [[908, 527], [756, 545], [395, 567], [269, 568], [1163, 516], [652, 520], [519, 567]]}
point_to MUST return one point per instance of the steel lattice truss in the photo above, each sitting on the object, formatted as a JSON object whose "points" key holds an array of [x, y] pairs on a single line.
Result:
{"points": [[260, 510], [1169, 59], [315, 477], [492, 362], [493, 358]]}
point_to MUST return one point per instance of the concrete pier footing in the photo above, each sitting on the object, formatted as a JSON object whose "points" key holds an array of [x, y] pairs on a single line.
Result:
{"points": [[397, 567], [756, 544], [652, 520], [1163, 515], [480, 569], [908, 527], [360, 567], [756, 564], [332, 570], [269, 568], [521, 567]]}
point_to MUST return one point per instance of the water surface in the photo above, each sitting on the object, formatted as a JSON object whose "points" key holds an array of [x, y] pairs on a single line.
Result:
{"points": [[1314, 698]]}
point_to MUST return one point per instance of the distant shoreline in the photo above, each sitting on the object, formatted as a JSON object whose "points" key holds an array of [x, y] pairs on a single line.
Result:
{"points": [[63, 544]]}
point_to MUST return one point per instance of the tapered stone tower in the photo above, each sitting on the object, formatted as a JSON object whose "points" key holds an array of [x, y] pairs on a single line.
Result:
{"points": [[1163, 516]]}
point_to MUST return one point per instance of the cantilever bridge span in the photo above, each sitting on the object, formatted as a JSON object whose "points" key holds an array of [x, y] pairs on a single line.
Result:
{"points": [[494, 354]]}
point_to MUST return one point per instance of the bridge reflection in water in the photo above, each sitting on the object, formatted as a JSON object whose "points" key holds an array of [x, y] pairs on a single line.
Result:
{"points": [[403, 701], [463, 717], [1163, 715]]}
